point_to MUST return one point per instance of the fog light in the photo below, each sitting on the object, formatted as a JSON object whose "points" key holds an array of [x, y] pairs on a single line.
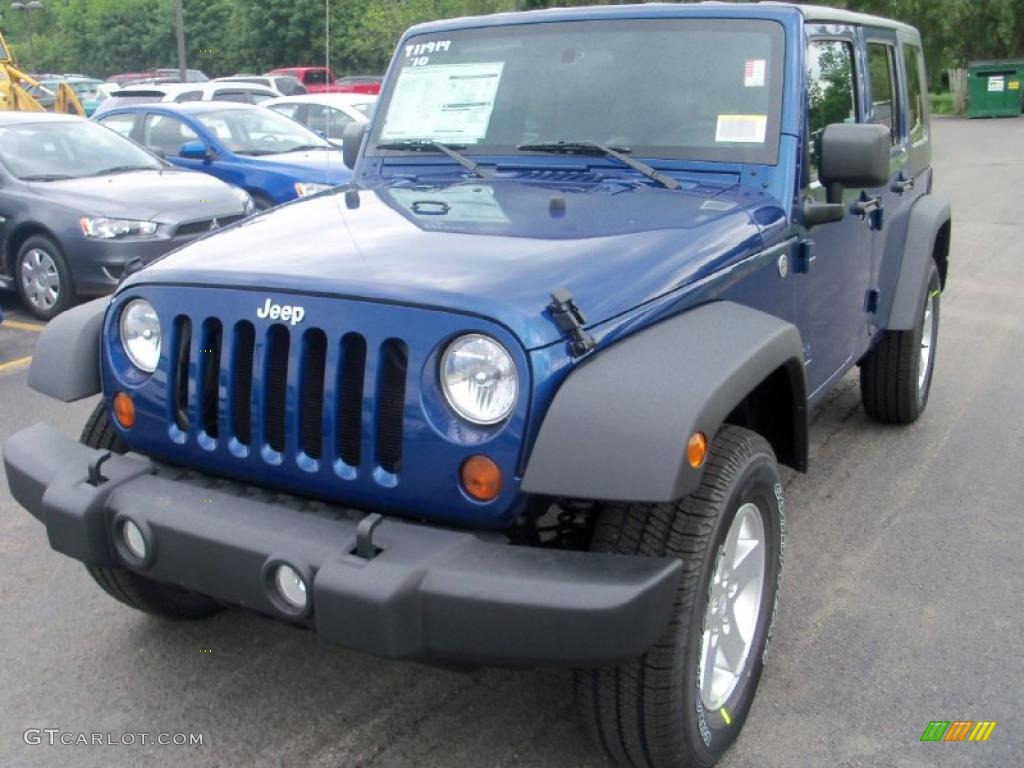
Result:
{"points": [[124, 410], [481, 478], [134, 541], [291, 587]]}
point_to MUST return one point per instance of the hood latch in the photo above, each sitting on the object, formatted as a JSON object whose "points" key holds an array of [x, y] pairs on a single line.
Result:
{"points": [[571, 321]]}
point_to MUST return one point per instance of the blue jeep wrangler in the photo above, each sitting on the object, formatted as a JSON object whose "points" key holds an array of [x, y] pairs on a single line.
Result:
{"points": [[518, 394]]}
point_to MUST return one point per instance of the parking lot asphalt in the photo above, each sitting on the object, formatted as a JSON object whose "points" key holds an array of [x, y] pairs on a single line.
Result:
{"points": [[902, 602]]}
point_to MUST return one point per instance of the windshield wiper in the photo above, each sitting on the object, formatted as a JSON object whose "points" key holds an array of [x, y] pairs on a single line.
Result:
{"points": [[426, 145], [592, 148], [46, 177], [257, 152], [123, 169], [302, 148]]}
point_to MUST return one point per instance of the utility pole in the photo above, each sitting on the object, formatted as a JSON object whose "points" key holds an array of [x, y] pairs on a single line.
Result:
{"points": [[179, 18]]}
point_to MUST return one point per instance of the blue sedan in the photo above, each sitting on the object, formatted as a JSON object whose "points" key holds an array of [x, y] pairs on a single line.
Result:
{"points": [[271, 157]]}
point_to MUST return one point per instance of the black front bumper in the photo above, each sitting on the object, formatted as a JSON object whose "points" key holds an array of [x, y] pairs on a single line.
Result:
{"points": [[427, 592]]}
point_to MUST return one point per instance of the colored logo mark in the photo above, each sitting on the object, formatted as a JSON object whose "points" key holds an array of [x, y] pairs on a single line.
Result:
{"points": [[958, 730]]}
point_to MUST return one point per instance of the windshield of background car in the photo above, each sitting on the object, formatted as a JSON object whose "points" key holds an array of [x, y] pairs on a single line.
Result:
{"points": [[87, 89], [258, 131], [704, 89], [68, 150]]}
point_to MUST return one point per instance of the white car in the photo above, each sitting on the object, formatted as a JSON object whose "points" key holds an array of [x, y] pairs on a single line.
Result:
{"points": [[326, 113], [246, 93]]}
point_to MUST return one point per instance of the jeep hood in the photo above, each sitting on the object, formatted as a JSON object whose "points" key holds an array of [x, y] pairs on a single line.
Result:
{"points": [[495, 248]]}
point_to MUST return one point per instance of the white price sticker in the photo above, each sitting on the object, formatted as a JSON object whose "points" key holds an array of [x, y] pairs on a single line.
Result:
{"points": [[443, 102]]}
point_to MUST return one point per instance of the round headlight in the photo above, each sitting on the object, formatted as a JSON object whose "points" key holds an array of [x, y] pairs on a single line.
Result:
{"points": [[140, 334], [479, 379]]}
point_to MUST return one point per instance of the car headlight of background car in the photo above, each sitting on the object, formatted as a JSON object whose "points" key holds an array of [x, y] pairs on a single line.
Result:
{"points": [[307, 188], [479, 379], [140, 334], [106, 229], [248, 204]]}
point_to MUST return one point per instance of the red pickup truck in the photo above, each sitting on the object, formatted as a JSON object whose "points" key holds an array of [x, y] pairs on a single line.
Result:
{"points": [[316, 79]]}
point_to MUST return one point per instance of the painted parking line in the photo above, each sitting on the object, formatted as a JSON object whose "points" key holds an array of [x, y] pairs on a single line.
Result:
{"points": [[14, 365], [18, 325]]}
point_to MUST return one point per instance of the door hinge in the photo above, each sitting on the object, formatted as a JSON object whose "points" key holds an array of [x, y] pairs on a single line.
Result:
{"points": [[571, 321], [804, 257], [871, 302]]}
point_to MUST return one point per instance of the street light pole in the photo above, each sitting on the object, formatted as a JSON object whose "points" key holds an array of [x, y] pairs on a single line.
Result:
{"points": [[179, 18], [32, 5]]}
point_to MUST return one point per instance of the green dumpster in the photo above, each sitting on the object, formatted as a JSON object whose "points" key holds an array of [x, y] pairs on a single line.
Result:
{"points": [[994, 88]]}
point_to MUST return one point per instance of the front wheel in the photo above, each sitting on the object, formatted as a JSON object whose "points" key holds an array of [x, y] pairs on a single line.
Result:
{"points": [[683, 703], [43, 278], [166, 600]]}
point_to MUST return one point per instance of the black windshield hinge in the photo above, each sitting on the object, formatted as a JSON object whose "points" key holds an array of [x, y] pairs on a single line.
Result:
{"points": [[571, 321]]}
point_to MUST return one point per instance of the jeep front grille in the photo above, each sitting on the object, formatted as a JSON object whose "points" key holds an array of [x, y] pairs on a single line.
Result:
{"points": [[271, 385]]}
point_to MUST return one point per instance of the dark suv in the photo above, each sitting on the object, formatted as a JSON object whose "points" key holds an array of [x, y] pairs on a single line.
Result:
{"points": [[518, 394]]}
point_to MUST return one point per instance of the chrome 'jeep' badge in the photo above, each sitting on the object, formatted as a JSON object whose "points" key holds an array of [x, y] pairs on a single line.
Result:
{"points": [[289, 313]]}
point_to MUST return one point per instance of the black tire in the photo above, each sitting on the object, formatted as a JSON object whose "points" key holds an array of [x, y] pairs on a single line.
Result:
{"points": [[649, 713], [41, 259], [143, 594], [890, 384]]}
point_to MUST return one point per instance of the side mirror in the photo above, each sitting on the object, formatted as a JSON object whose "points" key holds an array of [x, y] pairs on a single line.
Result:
{"points": [[352, 142], [854, 155], [194, 150]]}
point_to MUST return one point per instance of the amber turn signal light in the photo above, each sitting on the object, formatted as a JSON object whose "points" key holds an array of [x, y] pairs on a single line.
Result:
{"points": [[124, 410], [481, 478], [697, 450]]}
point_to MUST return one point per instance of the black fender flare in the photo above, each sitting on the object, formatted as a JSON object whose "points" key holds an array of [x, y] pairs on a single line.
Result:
{"points": [[66, 359], [618, 427], [928, 216]]}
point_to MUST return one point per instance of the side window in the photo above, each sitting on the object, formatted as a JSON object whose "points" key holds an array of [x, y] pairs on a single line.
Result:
{"points": [[166, 134], [327, 121], [315, 77], [189, 96], [288, 110], [122, 124], [912, 63], [830, 91], [882, 77]]}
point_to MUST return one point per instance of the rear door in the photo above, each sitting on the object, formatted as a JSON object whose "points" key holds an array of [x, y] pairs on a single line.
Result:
{"points": [[833, 321], [887, 97], [910, 180]]}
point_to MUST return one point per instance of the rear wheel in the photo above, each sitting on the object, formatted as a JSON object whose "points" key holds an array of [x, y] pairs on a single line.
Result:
{"points": [[896, 375], [683, 703], [130, 588]]}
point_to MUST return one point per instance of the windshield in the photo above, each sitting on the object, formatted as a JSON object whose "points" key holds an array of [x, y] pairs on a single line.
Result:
{"points": [[68, 150], [259, 132], [707, 89], [86, 89]]}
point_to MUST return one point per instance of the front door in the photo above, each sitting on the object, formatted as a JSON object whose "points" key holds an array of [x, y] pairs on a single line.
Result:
{"points": [[834, 286]]}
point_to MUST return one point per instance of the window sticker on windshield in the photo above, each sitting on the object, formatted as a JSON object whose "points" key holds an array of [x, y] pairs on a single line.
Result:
{"points": [[449, 102], [742, 129], [754, 73]]}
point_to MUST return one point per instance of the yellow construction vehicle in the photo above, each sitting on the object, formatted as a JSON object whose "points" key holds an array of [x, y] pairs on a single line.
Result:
{"points": [[14, 84]]}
